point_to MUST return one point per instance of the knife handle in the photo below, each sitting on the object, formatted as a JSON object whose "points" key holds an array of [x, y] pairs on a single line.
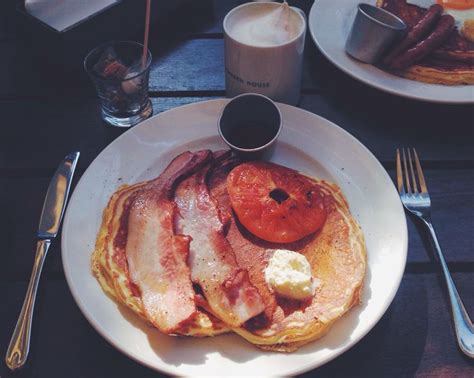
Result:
{"points": [[20, 342]]}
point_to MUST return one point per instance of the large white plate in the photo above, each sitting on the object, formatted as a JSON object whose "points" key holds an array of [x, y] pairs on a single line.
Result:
{"points": [[329, 24], [309, 143]]}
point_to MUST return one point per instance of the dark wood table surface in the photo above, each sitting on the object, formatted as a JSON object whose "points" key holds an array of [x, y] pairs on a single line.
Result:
{"points": [[45, 115]]}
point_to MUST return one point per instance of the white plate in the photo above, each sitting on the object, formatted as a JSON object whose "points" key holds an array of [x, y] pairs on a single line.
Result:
{"points": [[329, 24], [309, 143]]}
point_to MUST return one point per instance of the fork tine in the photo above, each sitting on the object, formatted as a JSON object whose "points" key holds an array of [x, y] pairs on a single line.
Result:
{"points": [[401, 188], [412, 171], [407, 178], [421, 177]]}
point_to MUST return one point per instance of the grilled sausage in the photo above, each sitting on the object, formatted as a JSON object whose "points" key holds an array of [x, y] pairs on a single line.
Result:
{"points": [[425, 47], [419, 31]]}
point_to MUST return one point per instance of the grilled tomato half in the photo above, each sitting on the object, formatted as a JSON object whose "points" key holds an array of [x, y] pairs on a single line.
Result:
{"points": [[275, 203]]}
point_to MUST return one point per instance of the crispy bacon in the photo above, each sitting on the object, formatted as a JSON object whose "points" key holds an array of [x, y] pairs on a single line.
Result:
{"points": [[156, 256], [226, 287], [250, 252]]}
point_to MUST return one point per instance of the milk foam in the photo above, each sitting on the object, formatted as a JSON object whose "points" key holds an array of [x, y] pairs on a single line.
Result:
{"points": [[267, 26]]}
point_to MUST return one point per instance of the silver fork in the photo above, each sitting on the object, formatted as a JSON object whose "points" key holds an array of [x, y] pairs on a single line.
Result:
{"points": [[414, 195]]}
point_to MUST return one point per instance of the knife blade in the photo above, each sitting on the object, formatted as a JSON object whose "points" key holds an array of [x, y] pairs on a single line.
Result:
{"points": [[58, 191], [50, 221]]}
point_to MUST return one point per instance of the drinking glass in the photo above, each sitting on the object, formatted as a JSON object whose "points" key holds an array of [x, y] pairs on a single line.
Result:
{"points": [[120, 76]]}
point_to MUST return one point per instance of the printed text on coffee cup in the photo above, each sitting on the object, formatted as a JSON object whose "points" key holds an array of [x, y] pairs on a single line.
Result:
{"points": [[253, 84]]}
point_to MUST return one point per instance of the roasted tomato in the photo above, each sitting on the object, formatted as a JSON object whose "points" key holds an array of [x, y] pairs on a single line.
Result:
{"points": [[275, 203]]}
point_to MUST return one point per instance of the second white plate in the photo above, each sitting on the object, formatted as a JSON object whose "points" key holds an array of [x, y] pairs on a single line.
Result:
{"points": [[329, 24]]}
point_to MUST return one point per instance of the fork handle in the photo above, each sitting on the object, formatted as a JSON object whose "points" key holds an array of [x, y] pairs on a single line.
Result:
{"points": [[462, 323], [20, 342]]}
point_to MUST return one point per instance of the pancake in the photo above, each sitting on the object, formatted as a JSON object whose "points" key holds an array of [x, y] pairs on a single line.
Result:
{"points": [[337, 256], [450, 64], [109, 265], [436, 71]]}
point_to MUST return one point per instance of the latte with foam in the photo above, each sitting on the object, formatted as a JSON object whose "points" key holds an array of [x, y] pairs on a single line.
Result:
{"points": [[265, 26], [263, 50]]}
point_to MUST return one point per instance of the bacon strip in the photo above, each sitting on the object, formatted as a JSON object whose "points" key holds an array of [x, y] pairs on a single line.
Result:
{"points": [[251, 253], [156, 256], [226, 286]]}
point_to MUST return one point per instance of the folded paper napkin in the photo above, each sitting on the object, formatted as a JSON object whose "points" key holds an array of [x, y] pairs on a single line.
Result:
{"points": [[62, 14]]}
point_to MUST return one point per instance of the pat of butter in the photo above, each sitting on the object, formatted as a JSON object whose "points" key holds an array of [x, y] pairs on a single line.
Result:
{"points": [[289, 275]]}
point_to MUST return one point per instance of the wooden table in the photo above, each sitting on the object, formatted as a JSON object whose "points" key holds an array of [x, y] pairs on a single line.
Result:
{"points": [[44, 117]]}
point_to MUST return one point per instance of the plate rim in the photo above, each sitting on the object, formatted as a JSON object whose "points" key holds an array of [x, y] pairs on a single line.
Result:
{"points": [[298, 370], [374, 84]]}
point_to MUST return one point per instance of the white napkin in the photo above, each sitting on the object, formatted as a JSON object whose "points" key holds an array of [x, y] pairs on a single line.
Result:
{"points": [[61, 14]]}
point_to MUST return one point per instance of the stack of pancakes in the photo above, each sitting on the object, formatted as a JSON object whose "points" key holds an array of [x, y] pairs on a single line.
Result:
{"points": [[336, 254], [450, 64]]}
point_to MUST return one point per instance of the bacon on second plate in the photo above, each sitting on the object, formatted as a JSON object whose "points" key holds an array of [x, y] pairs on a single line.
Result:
{"points": [[156, 256], [227, 288]]}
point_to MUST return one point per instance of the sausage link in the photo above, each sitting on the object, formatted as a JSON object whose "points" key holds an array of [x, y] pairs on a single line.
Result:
{"points": [[421, 49], [419, 31]]}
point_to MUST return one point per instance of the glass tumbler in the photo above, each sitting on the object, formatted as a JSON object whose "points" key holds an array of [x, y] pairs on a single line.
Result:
{"points": [[120, 76]]}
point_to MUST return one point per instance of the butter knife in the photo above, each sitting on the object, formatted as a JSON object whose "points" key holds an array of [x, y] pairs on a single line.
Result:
{"points": [[53, 210]]}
